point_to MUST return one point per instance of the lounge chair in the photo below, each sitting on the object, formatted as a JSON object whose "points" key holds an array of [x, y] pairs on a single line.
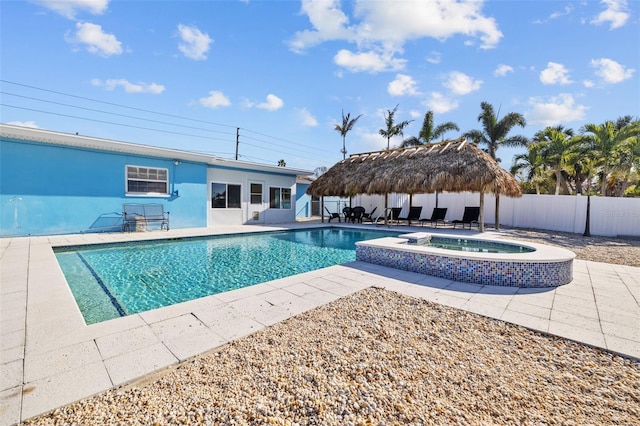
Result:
{"points": [[369, 216], [357, 213], [470, 217], [437, 216], [392, 214], [332, 215], [414, 214]]}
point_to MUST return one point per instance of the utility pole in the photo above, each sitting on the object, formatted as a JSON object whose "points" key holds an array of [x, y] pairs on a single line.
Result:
{"points": [[237, 140]]}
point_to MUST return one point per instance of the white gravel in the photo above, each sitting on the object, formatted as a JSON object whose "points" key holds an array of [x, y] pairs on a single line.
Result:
{"points": [[377, 357]]}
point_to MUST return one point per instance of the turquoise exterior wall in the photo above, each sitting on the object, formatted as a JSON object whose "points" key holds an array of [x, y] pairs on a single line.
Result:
{"points": [[53, 189], [303, 201]]}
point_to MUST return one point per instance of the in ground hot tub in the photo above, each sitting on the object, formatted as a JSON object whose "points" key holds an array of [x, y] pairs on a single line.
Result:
{"points": [[483, 261]]}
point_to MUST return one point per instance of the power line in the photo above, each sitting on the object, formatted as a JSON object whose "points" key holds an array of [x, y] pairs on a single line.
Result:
{"points": [[110, 122], [114, 104], [295, 146], [112, 113]]}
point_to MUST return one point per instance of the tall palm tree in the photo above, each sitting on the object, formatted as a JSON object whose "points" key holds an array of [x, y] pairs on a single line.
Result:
{"points": [[532, 165], [347, 124], [557, 147], [605, 141], [494, 134], [430, 132], [393, 129]]}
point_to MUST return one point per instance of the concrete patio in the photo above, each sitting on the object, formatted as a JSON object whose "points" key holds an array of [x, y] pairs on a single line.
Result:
{"points": [[49, 357]]}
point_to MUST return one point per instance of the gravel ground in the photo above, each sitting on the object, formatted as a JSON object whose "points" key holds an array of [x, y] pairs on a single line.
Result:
{"points": [[596, 249], [378, 357]]}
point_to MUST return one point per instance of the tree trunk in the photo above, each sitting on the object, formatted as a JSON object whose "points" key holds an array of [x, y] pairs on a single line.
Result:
{"points": [[603, 191]]}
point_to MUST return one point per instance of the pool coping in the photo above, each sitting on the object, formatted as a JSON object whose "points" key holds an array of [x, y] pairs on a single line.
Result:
{"points": [[51, 358]]}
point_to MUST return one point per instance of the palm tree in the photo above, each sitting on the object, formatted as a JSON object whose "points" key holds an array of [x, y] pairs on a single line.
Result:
{"points": [[532, 165], [494, 134], [606, 141], [393, 129], [558, 147], [429, 131], [347, 124], [282, 163]]}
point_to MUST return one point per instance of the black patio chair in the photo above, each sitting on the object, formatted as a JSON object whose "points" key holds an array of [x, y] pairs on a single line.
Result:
{"points": [[332, 215], [436, 217], [369, 216], [470, 217], [357, 213], [347, 212], [391, 214], [414, 214]]}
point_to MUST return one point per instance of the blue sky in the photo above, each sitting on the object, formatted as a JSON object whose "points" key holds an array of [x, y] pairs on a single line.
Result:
{"points": [[186, 74]]}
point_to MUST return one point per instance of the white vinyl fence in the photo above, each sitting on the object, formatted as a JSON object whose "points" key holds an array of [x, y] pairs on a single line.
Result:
{"points": [[610, 216]]}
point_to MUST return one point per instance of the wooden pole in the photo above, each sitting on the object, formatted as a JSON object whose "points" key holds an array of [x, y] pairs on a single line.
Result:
{"points": [[481, 217]]}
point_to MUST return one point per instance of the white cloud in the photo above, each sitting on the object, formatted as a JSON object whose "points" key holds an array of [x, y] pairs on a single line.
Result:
{"points": [[70, 8], [555, 74], [195, 44], [555, 15], [461, 84], [272, 103], [306, 118], [559, 109], [434, 58], [610, 71], [402, 85], [588, 83], [415, 114], [96, 40], [129, 87], [439, 103], [616, 13], [31, 124], [328, 22], [384, 27], [502, 70], [214, 100], [368, 61]]}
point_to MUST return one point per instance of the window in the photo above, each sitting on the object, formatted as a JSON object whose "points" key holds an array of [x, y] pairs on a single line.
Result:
{"points": [[147, 180], [280, 198], [256, 193], [225, 196]]}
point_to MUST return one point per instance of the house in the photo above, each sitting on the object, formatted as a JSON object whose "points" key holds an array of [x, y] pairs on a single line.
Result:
{"points": [[58, 183]]}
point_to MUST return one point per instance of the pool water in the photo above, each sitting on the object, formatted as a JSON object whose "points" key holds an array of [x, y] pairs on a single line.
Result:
{"points": [[478, 246], [110, 281]]}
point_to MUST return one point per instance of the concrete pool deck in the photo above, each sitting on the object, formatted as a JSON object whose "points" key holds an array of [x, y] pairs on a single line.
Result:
{"points": [[50, 358]]}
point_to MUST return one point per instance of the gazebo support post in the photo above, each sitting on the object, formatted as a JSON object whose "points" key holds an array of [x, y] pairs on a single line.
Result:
{"points": [[386, 205], [481, 217]]}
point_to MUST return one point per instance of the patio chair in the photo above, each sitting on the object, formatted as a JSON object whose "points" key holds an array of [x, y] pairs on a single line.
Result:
{"points": [[391, 214], [470, 217], [369, 216], [437, 216], [414, 214], [357, 213], [346, 211], [332, 215]]}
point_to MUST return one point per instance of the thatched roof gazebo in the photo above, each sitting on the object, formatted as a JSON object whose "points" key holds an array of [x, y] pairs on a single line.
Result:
{"points": [[453, 166]]}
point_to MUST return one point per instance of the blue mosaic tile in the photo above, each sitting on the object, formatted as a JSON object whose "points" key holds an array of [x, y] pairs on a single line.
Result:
{"points": [[477, 271]]}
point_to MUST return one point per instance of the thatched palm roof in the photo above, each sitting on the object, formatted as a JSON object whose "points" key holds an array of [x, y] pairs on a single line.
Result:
{"points": [[453, 166]]}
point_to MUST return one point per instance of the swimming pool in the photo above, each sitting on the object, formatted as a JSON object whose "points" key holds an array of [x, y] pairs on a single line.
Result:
{"points": [[115, 280]]}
